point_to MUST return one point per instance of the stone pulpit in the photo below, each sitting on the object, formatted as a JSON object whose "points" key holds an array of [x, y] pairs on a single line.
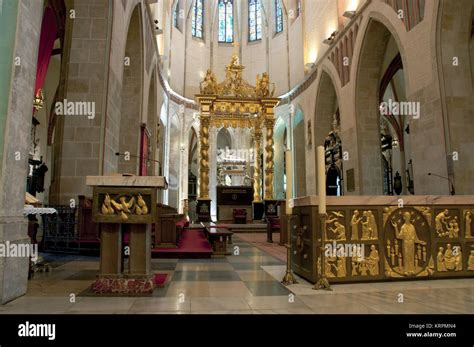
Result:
{"points": [[119, 201]]}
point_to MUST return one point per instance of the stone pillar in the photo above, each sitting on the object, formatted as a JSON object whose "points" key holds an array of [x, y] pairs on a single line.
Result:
{"points": [[79, 137], [20, 25]]}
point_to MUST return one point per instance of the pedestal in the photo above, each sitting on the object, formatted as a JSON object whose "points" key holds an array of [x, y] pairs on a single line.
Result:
{"points": [[120, 201], [203, 210], [271, 208], [258, 210]]}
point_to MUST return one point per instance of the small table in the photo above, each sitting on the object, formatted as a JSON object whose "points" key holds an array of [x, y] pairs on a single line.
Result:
{"points": [[218, 236]]}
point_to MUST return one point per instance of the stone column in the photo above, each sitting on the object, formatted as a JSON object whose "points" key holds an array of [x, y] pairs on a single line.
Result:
{"points": [[20, 25]]}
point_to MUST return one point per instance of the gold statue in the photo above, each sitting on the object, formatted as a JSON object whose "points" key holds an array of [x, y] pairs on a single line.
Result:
{"points": [[440, 260], [355, 225], [262, 89], [468, 221], [341, 267], [340, 231], [441, 222], [209, 84], [409, 239], [470, 261], [373, 261]]}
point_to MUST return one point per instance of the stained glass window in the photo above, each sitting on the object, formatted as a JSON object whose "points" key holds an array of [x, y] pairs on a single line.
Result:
{"points": [[176, 16], [278, 17], [197, 19], [226, 21], [255, 20]]}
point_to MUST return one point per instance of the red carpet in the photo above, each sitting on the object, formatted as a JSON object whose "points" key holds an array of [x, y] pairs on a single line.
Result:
{"points": [[192, 244], [160, 280]]}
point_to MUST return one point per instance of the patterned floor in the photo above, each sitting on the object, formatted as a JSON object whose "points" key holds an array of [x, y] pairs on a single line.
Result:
{"points": [[247, 282]]}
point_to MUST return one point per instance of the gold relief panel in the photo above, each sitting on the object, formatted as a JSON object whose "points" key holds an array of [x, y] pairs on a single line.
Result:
{"points": [[449, 257], [336, 226], [367, 262], [470, 256], [407, 243], [364, 225], [447, 223], [468, 222], [335, 266], [120, 205]]}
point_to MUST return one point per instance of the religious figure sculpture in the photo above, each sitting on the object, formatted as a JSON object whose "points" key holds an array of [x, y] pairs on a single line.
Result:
{"points": [[470, 261], [339, 231], [450, 260], [366, 226], [355, 220], [440, 260], [262, 89], [407, 234], [341, 267], [209, 84], [373, 225], [468, 221], [441, 222], [453, 228], [373, 261]]}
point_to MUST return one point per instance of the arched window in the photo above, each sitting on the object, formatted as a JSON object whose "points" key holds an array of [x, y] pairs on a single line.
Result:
{"points": [[177, 21], [255, 20], [278, 17], [197, 19], [226, 21]]}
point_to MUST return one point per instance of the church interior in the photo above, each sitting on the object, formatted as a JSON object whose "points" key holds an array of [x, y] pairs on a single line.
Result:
{"points": [[236, 156]]}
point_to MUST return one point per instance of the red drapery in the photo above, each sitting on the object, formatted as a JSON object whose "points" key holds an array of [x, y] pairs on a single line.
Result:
{"points": [[49, 32], [144, 141]]}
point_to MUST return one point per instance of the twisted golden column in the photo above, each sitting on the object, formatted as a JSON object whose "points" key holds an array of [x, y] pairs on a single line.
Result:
{"points": [[269, 158], [257, 137], [204, 151]]}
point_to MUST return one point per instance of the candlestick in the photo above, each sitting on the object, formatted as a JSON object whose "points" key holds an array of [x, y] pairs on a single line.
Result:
{"points": [[289, 181], [321, 180]]}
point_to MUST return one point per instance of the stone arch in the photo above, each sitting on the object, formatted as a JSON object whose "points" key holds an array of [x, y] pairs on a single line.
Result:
{"points": [[326, 105], [299, 152], [367, 99], [151, 119], [193, 163], [327, 119], [174, 154], [455, 48], [132, 94], [280, 138]]}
